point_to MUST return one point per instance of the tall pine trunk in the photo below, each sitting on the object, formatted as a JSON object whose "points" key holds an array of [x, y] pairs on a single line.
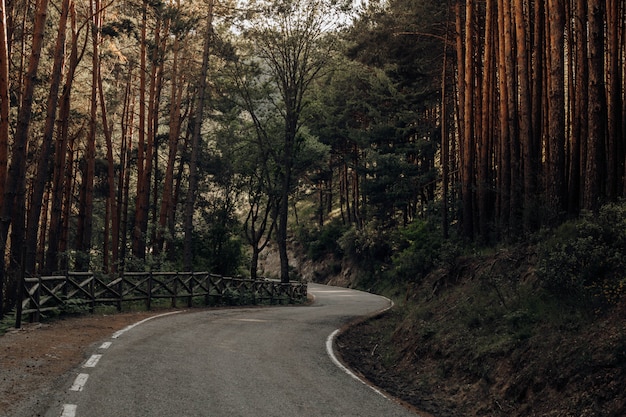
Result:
{"points": [[39, 185], [528, 157], [594, 172], [555, 160], [13, 210], [167, 200], [579, 114], [195, 142], [84, 229], [5, 107], [51, 263], [485, 144]]}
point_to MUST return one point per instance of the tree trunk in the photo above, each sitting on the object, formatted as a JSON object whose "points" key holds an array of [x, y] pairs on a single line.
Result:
{"points": [[120, 236], [596, 110], [110, 232], [167, 200], [468, 150], [14, 204], [39, 185], [5, 107], [138, 240], [504, 151], [578, 144], [529, 160], [195, 142], [555, 178], [615, 145], [85, 206], [486, 135], [445, 145], [60, 154]]}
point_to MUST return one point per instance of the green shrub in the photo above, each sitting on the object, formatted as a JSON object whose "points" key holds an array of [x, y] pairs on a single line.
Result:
{"points": [[422, 247], [585, 258], [322, 241], [372, 245]]}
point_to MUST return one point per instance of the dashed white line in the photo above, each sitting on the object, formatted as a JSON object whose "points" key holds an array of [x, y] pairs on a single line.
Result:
{"points": [[69, 410], [92, 361], [79, 382], [105, 345]]}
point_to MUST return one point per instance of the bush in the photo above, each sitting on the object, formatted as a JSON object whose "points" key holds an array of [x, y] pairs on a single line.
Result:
{"points": [[322, 241], [585, 258], [422, 248], [370, 245]]}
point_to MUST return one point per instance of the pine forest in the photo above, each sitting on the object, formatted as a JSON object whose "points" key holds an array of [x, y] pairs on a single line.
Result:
{"points": [[189, 134]]}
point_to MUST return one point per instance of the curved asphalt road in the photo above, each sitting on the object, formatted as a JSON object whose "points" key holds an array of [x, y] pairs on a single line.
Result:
{"points": [[262, 362]]}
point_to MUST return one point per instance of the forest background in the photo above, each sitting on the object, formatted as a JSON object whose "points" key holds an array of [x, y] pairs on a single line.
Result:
{"points": [[396, 138], [479, 122], [486, 120]]}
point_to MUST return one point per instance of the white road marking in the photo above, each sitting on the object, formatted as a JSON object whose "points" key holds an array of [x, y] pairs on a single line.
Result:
{"points": [[127, 328], [252, 320], [92, 362], [69, 410], [331, 353], [329, 349], [79, 382]]}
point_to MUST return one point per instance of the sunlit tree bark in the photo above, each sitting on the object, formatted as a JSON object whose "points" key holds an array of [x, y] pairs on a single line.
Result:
{"points": [[5, 106], [485, 145], [13, 211], [61, 152], [201, 97], [468, 150], [39, 185]]}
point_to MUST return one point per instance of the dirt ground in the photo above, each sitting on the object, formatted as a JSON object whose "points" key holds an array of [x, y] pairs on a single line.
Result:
{"points": [[37, 358]]}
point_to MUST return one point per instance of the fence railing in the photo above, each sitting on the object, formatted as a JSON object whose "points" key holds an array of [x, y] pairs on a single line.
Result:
{"points": [[87, 290]]}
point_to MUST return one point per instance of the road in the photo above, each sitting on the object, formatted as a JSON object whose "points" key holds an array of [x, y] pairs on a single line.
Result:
{"points": [[268, 361]]}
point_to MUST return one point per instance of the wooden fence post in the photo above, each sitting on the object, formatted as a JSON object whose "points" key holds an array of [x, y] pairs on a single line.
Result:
{"points": [[207, 297], [149, 299], [190, 299], [120, 291], [36, 315], [92, 293], [20, 294]]}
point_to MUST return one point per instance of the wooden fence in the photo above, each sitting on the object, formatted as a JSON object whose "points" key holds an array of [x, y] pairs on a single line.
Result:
{"points": [[86, 290]]}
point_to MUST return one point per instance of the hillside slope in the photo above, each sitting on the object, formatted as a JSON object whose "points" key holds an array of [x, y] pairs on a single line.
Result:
{"points": [[481, 339]]}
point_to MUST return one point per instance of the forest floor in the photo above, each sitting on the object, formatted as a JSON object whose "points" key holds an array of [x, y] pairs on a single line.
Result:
{"points": [[471, 341]]}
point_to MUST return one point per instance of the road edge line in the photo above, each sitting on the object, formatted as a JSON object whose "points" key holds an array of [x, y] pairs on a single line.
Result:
{"points": [[329, 349], [330, 342], [118, 333]]}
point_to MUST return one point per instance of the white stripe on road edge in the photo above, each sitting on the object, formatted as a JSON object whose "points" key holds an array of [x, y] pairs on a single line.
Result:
{"points": [[69, 410], [105, 345], [329, 348], [127, 328], [92, 362], [79, 382]]}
